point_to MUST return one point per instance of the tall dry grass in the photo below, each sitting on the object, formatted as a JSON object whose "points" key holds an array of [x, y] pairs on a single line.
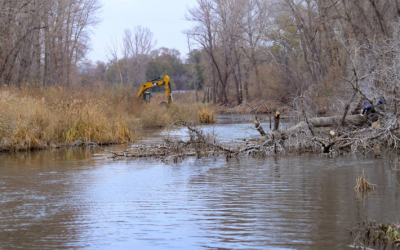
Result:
{"points": [[50, 117], [156, 115], [363, 184], [206, 115], [183, 104], [34, 117]]}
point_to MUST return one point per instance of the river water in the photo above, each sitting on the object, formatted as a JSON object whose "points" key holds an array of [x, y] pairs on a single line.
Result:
{"points": [[81, 199]]}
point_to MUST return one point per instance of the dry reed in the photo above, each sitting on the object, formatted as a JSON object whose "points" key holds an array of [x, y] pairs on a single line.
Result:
{"points": [[363, 184], [156, 115], [206, 116], [33, 118]]}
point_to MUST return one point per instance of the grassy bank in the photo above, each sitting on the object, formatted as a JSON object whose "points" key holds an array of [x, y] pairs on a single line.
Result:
{"points": [[156, 116], [34, 118]]}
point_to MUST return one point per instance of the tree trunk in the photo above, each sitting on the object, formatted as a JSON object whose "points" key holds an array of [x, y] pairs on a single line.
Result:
{"points": [[397, 9], [379, 17], [246, 82], [235, 78], [352, 120]]}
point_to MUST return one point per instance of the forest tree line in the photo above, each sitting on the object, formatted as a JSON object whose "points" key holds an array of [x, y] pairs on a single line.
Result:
{"points": [[283, 49], [43, 41], [240, 50]]}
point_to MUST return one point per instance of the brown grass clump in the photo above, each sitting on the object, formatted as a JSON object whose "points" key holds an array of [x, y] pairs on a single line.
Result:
{"points": [[156, 115], [363, 184], [32, 118], [187, 111], [206, 116]]}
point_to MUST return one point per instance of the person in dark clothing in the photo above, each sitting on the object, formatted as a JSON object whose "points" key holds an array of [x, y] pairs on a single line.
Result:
{"points": [[370, 111], [381, 101], [367, 108]]}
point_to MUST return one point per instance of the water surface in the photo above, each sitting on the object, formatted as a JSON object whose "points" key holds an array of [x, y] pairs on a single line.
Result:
{"points": [[80, 199]]}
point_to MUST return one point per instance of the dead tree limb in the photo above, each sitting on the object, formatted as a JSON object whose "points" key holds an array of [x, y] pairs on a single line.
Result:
{"points": [[347, 107], [269, 115], [276, 120], [355, 120], [308, 123], [357, 89], [259, 128]]}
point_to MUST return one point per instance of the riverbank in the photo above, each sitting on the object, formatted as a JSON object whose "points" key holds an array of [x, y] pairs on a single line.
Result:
{"points": [[39, 118]]}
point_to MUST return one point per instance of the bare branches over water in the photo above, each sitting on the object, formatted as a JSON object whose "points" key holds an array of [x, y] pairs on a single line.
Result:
{"points": [[298, 139]]}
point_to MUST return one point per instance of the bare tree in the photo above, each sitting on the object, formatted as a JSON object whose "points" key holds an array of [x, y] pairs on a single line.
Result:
{"points": [[304, 43], [137, 48], [112, 56], [42, 40], [205, 34]]}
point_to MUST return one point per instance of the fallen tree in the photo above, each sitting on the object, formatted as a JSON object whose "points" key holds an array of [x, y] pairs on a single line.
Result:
{"points": [[328, 135], [334, 121], [199, 145]]}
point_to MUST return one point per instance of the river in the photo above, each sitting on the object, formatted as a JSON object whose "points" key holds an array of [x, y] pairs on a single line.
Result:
{"points": [[81, 199]]}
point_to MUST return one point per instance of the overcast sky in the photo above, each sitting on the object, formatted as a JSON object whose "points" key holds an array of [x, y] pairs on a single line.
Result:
{"points": [[165, 18]]}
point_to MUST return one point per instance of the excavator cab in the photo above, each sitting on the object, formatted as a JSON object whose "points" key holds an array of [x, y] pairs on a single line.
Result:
{"points": [[147, 96]]}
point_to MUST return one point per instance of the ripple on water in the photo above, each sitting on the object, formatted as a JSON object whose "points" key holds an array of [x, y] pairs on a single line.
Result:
{"points": [[275, 203]]}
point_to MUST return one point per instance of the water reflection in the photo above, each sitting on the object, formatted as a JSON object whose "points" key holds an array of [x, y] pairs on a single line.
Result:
{"points": [[228, 129], [73, 199]]}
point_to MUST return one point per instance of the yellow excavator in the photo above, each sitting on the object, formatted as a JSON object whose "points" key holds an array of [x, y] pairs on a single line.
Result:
{"points": [[154, 83]]}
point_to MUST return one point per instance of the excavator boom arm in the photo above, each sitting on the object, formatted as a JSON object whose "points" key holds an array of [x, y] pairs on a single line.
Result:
{"points": [[154, 83]]}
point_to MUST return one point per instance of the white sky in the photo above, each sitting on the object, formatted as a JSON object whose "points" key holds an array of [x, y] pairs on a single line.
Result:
{"points": [[165, 18]]}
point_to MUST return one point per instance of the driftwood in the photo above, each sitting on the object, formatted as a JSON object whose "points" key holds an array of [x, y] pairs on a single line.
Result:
{"points": [[201, 145], [259, 128], [276, 120], [352, 120], [311, 135]]}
